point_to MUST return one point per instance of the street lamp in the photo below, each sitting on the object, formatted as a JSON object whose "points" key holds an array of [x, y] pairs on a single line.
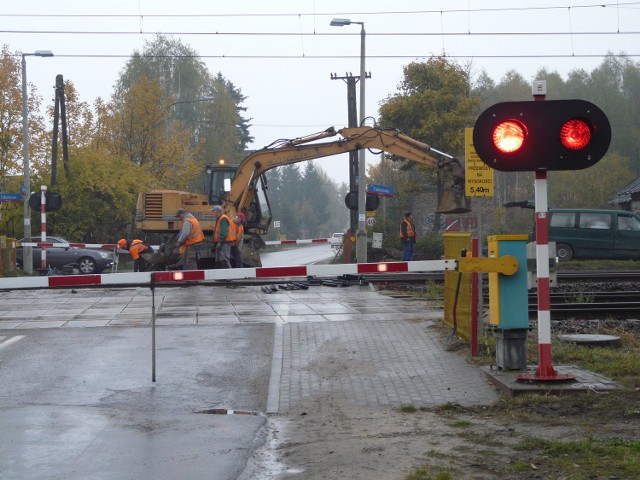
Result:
{"points": [[27, 255], [361, 237]]}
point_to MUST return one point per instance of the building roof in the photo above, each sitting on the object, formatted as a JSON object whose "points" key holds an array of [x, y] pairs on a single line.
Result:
{"points": [[625, 193]]}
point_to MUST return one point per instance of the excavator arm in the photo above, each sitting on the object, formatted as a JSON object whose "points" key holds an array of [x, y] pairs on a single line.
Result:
{"points": [[285, 152]]}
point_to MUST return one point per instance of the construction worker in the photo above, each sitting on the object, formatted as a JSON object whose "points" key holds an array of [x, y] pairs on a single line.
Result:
{"points": [[224, 236], [407, 237], [236, 255], [135, 248], [189, 238]]}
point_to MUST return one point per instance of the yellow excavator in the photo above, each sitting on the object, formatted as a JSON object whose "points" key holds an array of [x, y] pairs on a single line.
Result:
{"points": [[242, 188]]}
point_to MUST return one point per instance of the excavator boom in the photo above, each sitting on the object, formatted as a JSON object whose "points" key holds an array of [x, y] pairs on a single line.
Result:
{"points": [[286, 152]]}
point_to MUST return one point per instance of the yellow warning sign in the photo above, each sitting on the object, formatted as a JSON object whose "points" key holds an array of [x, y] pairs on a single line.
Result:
{"points": [[478, 175]]}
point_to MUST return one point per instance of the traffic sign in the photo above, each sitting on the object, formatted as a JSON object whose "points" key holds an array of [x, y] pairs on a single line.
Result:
{"points": [[383, 190], [478, 175], [10, 197]]}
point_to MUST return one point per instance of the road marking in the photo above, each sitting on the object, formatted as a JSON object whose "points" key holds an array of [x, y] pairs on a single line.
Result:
{"points": [[9, 341]]}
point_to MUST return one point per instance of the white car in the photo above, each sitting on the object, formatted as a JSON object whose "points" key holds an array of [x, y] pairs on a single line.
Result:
{"points": [[336, 240]]}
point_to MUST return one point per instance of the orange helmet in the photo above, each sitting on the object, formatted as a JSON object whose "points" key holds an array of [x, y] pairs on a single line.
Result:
{"points": [[122, 243]]}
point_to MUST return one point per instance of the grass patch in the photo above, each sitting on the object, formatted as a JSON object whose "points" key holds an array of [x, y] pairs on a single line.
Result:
{"points": [[407, 409], [427, 472], [433, 290], [461, 424], [587, 458]]}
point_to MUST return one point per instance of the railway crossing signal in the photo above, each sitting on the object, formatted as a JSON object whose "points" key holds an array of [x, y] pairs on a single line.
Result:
{"points": [[548, 135]]}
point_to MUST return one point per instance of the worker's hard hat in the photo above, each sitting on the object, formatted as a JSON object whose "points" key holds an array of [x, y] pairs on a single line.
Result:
{"points": [[216, 208], [122, 243], [181, 211], [242, 217]]}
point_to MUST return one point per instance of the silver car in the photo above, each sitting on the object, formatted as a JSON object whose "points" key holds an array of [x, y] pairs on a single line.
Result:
{"points": [[83, 259]]}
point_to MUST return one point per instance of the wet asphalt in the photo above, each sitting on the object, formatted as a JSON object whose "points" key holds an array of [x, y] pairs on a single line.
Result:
{"points": [[78, 400]]}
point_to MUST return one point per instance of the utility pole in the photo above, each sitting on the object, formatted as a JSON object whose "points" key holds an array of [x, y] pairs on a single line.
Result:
{"points": [[352, 113], [60, 112]]}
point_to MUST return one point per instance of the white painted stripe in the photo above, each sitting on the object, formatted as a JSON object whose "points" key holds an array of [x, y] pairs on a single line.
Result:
{"points": [[11, 340], [540, 188], [432, 265], [230, 274], [126, 278], [23, 282], [338, 269], [544, 326], [542, 252]]}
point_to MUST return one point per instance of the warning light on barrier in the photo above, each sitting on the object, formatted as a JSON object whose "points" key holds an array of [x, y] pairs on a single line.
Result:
{"points": [[546, 135], [177, 276]]}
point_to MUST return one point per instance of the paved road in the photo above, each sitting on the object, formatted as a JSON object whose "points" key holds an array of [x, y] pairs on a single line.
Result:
{"points": [[77, 400], [298, 255]]}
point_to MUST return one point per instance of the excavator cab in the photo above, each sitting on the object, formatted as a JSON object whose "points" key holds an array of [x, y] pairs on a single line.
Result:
{"points": [[219, 178]]}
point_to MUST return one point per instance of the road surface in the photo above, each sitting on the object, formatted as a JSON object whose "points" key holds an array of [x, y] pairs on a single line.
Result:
{"points": [[298, 255]]}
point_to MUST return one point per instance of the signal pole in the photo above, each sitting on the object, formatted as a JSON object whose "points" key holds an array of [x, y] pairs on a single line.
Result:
{"points": [[352, 113]]}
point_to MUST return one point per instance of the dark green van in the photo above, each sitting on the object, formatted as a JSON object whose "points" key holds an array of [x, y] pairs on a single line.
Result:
{"points": [[594, 234]]}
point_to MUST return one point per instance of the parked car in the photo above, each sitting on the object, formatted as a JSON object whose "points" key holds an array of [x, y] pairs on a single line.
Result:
{"points": [[336, 240], [592, 233], [84, 259]]}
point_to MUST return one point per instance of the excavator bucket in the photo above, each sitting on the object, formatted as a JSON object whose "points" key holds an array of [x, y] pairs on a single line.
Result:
{"points": [[168, 255], [453, 200], [250, 251]]}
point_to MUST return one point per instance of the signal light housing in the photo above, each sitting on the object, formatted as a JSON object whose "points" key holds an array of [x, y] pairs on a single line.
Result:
{"points": [[547, 135]]}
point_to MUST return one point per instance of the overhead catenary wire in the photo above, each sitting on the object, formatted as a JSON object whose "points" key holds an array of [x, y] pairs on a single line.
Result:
{"points": [[616, 5]]}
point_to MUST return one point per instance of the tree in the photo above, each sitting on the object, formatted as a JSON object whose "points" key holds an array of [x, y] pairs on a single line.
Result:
{"points": [[141, 133], [577, 189], [99, 197], [216, 125], [11, 136], [434, 106]]}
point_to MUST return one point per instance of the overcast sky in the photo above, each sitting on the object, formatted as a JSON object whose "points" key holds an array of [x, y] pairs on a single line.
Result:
{"points": [[286, 77]]}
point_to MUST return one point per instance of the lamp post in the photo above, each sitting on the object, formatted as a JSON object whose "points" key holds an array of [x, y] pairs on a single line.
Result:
{"points": [[27, 255], [361, 237]]}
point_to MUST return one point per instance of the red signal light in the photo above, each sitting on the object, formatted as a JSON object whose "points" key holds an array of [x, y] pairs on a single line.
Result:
{"points": [[509, 136], [550, 135], [575, 134]]}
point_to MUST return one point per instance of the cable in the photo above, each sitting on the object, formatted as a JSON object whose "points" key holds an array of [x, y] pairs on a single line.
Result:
{"points": [[616, 5]]}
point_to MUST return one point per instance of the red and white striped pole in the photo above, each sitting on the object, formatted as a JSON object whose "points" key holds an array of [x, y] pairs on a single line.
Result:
{"points": [[545, 370], [43, 223], [545, 367]]}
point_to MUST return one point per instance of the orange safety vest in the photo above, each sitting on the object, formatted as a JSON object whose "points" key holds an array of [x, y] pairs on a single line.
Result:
{"points": [[410, 232], [239, 234], [136, 248], [196, 235], [231, 233]]}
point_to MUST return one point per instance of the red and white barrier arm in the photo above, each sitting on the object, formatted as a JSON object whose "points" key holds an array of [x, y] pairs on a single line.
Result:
{"points": [[292, 242], [205, 276], [112, 246], [105, 246]]}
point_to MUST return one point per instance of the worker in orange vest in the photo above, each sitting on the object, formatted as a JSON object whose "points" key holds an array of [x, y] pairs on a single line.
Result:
{"points": [[236, 255], [407, 237], [189, 239], [135, 248], [224, 235]]}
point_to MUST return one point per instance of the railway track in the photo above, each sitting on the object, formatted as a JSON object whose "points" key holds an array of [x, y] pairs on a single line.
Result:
{"points": [[601, 293]]}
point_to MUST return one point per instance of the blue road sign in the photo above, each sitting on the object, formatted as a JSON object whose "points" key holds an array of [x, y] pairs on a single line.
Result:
{"points": [[10, 197], [380, 190]]}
